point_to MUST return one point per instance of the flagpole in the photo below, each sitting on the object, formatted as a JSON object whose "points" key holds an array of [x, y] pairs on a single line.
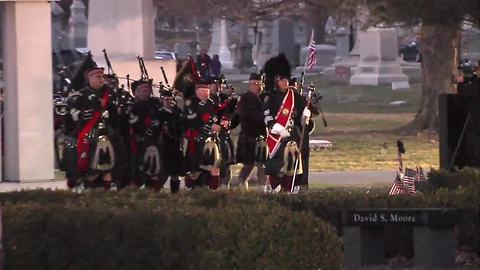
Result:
{"points": [[297, 160]]}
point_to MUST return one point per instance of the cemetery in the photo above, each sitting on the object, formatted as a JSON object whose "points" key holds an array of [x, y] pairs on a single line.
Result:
{"points": [[383, 153]]}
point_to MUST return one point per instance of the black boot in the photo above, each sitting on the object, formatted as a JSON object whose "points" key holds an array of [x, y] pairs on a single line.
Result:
{"points": [[174, 186]]}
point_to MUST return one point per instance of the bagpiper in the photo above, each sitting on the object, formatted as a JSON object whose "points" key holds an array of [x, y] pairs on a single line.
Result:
{"points": [[251, 145], [89, 153], [172, 127], [122, 174], [283, 112], [202, 154], [145, 131], [225, 101]]}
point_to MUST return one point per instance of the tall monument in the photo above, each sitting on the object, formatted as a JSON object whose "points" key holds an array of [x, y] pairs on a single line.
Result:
{"points": [[78, 24], [219, 44]]}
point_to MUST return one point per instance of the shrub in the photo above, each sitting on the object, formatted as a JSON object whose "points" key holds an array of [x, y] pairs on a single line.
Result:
{"points": [[465, 177], [143, 230]]}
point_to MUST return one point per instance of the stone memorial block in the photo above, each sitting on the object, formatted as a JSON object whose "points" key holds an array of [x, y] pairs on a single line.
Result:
{"points": [[433, 235], [325, 56], [378, 58]]}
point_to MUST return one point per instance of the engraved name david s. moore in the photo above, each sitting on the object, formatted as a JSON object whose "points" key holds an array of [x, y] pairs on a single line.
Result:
{"points": [[384, 217]]}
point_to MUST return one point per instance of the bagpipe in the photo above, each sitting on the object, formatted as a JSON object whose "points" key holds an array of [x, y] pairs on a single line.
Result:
{"points": [[313, 99], [228, 98], [123, 97]]}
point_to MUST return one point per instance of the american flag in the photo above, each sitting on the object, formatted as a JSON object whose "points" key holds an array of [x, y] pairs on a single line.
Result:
{"points": [[397, 187], [409, 179], [420, 174], [312, 53]]}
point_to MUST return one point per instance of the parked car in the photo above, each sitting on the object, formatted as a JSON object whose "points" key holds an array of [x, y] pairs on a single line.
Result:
{"points": [[411, 51], [165, 55]]}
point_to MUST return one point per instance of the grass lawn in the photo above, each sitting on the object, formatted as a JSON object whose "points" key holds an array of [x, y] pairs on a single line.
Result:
{"points": [[373, 151]]}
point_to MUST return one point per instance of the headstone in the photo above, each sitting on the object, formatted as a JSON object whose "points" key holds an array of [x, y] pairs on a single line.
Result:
{"points": [[273, 37], [325, 56], [343, 73], [400, 85], [318, 145], [28, 118], [349, 61], [398, 103], [78, 24], [378, 58], [243, 58], [343, 46]]}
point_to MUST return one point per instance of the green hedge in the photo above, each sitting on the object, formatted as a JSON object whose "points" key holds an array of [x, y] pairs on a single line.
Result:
{"points": [[465, 177], [230, 222], [142, 230]]}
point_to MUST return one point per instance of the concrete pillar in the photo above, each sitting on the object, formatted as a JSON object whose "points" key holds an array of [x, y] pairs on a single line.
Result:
{"points": [[124, 27], [28, 117]]}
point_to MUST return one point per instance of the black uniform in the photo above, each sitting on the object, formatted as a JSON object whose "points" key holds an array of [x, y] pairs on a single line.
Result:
{"points": [[224, 109], [252, 127], [145, 126], [172, 128], [202, 153], [90, 134], [125, 172], [252, 135], [280, 167]]}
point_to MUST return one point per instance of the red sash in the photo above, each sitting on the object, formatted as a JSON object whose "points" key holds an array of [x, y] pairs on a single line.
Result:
{"points": [[83, 147], [283, 116]]}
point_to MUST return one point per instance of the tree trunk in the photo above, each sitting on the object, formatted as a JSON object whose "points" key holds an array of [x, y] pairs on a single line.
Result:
{"points": [[319, 26], [438, 48]]}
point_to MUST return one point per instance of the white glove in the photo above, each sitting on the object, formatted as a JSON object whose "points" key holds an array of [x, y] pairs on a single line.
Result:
{"points": [[284, 134], [306, 116], [75, 113], [280, 130], [105, 114], [307, 113], [277, 128]]}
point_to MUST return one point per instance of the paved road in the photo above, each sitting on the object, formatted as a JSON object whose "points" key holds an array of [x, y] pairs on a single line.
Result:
{"points": [[357, 178]]}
